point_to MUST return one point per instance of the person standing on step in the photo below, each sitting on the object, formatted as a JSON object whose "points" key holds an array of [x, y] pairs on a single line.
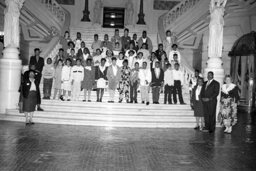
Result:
{"points": [[101, 79], [29, 93], [135, 42], [114, 76], [106, 43], [77, 76], [209, 94], [178, 78], [38, 63], [125, 39], [144, 39], [197, 103], [175, 52], [228, 104], [116, 38], [96, 44], [78, 41], [48, 75], [168, 85], [145, 80], [57, 79], [66, 81], [157, 82], [124, 84], [89, 79], [72, 57], [83, 53], [134, 83]]}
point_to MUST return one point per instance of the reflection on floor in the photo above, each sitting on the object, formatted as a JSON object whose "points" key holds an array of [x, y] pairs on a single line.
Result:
{"points": [[60, 147]]}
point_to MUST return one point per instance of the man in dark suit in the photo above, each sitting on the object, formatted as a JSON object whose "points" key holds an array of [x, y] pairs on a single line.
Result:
{"points": [[209, 94], [157, 81], [37, 63], [83, 53]]}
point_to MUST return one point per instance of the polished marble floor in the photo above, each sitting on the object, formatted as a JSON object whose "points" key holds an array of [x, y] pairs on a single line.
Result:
{"points": [[44, 147]]}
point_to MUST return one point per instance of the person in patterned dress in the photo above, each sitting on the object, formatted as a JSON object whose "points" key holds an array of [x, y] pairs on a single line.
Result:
{"points": [[124, 84], [228, 105]]}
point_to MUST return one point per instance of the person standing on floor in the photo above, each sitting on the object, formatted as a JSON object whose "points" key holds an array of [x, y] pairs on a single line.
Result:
{"points": [[101, 79], [29, 93], [134, 83], [48, 75], [114, 76], [209, 94], [66, 81], [77, 76], [178, 78], [197, 103], [89, 79], [124, 84], [57, 79], [38, 63], [228, 104], [168, 85], [157, 82], [145, 80]]}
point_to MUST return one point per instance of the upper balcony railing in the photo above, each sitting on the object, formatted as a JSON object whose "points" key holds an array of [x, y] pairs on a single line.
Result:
{"points": [[179, 10], [55, 9]]}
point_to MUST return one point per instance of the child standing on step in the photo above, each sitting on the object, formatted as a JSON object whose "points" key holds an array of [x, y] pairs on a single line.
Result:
{"points": [[66, 80], [77, 76], [89, 79], [57, 79], [48, 74]]}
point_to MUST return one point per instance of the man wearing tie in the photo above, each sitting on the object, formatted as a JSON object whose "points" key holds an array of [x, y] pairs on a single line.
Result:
{"points": [[209, 94], [157, 82]]}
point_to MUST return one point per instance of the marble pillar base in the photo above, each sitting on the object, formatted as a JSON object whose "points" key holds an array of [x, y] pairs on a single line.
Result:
{"points": [[10, 75]]}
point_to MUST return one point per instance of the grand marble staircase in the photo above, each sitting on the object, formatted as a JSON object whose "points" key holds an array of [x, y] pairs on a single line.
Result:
{"points": [[110, 114]]}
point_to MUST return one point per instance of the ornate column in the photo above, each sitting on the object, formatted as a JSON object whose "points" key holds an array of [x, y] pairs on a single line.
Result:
{"points": [[10, 64], [86, 12], [141, 14], [215, 42]]}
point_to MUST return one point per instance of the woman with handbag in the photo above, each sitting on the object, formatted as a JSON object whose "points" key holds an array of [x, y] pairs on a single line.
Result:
{"points": [[29, 92]]}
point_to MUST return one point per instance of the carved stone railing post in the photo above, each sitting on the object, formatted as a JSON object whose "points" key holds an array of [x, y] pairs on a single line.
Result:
{"points": [[10, 64], [141, 14], [86, 12]]}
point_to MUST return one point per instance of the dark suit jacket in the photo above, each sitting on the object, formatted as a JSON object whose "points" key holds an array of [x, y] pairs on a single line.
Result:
{"points": [[157, 81], [26, 88], [37, 77], [99, 74], [39, 64], [212, 91]]}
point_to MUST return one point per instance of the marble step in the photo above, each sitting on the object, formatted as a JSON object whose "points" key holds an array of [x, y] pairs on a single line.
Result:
{"points": [[107, 116], [115, 106], [108, 124]]}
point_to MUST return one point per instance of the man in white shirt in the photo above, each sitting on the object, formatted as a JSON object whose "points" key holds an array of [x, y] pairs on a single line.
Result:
{"points": [[77, 76], [145, 79], [172, 52], [178, 78], [168, 84]]}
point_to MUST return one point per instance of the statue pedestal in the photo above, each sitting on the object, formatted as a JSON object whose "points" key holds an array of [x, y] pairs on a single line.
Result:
{"points": [[10, 74]]}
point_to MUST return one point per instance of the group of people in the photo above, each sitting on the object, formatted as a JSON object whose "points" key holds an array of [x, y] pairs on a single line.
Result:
{"points": [[204, 102]]}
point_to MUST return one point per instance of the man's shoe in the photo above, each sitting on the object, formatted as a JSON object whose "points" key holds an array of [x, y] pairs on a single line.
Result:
{"points": [[68, 100], [147, 103], [40, 109], [89, 101], [135, 101], [61, 98], [142, 102], [205, 130], [196, 128]]}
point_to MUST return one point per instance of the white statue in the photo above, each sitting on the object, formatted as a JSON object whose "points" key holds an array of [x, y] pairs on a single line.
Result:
{"points": [[97, 12], [217, 8], [11, 23], [129, 13]]}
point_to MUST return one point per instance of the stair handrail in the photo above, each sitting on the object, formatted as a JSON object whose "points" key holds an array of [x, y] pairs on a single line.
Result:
{"points": [[55, 8], [179, 10]]}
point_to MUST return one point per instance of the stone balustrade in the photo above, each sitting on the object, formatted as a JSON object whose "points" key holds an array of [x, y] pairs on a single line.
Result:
{"points": [[179, 10], [55, 8]]}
